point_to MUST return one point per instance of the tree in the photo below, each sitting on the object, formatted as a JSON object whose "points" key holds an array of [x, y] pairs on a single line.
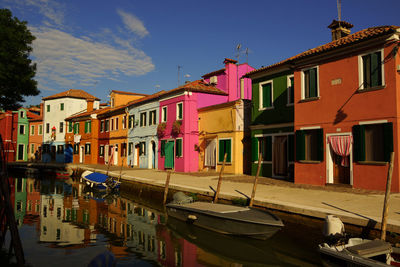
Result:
{"points": [[16, 69]]}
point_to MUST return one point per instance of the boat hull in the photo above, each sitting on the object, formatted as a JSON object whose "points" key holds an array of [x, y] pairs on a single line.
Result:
{"points": [[247, 222]]}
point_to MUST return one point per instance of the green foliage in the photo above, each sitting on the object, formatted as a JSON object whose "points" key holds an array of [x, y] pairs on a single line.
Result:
{"points": [[16, 69]]}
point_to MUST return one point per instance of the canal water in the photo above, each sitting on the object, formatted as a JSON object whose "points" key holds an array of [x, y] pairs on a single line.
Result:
{"points": [[62, 224]]}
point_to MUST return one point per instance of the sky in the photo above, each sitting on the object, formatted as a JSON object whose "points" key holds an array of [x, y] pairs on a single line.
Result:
{"points": [[137, 45]]}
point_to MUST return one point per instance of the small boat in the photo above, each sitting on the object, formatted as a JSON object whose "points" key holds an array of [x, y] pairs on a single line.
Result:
{"points": [[226, 219], [342, 251], [99, 181]]}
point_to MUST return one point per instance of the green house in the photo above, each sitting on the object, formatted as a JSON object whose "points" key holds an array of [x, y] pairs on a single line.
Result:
{"points": [[22, 135], [272, 121]]}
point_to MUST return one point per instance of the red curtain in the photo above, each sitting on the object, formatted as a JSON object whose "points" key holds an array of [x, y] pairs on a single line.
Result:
{"points": [[341, 145]]}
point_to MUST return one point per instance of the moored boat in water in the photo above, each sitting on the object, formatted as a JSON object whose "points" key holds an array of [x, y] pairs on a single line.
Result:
{"points": [[227, 219], [99, 181]]}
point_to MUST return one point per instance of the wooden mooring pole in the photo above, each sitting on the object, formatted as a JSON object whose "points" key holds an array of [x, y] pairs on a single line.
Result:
{"points": [[220, 179], [387, 195], [253, 194], [166, 187]]}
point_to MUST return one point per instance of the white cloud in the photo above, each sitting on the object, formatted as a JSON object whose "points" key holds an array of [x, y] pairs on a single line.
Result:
{"points": [[133, 24], [79, 61]]}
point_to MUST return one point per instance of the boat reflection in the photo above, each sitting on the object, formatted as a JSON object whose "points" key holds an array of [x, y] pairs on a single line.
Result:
{"points": [[84, 224]]}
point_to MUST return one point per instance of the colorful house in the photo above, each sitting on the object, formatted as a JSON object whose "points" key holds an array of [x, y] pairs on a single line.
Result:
{"points": [[57, 108], [143, 119], [115, 123], [272, 120], [9, 132], [346, 109], [178, 126], [36, 136], [24, 115], [224, 127]]}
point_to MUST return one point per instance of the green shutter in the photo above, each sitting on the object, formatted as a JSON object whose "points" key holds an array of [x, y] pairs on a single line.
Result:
{"points": [[180, 110], [228, 150], [70, 126], [178, 148], [376, 69], [268, 147], [162, 148], [313, 82], [86, 127], [266, 93], [300, 145], [358, 143], [387, 140], [221, 150], [254, 149], [90, 126], [320, 144]]}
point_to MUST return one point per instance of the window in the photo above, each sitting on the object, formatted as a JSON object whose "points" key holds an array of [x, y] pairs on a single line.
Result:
{"points": [[61, 127], [124, 122], [112, 102], [48, 108], [70, 126], [60, 149], [32, 129], [107, 125], [310, 145], [76, 128], [61, 106], [164, 114], [21, 114], [372, 70], [22, 129], [112, 124], [179, 111], [143, 119], [101, 151], [116, 123], [224, 147], [266, 95], [178, 147], [87, 148], [131, 121], [372, 142], [32, 148], [265, 147], [88, 126], [76, 148], [290, 89], [102, 126], [40, 129], [152, 117], [123, 150], [310, 83], [130, 148], [47, 127]]}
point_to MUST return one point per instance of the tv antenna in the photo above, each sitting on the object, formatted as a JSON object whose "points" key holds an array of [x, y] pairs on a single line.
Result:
{"points": [[339, 9]]}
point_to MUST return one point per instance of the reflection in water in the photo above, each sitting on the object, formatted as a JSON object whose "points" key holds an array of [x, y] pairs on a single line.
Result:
{"points": [[61, 224]]}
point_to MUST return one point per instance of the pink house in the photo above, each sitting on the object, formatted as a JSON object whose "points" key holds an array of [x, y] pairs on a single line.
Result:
{"points": [[178, 126]]}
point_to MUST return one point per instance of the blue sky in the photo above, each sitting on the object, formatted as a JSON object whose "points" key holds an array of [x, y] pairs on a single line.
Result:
{"points": [[136, 46]]}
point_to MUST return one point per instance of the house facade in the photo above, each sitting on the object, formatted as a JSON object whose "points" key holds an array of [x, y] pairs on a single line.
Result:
{"points": [[178, 125], [35, 136], [347, 111], [272, 121], [223, 130], [57, 108], [143, 119], [9, 132]]}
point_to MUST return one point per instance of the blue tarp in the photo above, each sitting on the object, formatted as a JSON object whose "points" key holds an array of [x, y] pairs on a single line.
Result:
{"points": [[96, 177]]}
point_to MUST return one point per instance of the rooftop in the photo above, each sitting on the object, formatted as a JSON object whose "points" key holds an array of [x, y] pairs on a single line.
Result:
{"points": [[73, 93]]}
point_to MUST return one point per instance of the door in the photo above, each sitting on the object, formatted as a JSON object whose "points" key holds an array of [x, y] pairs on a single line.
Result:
{"points": [[341, 174], [280, 159], [81, 154], [21, 152], [153, 155], [137, 154], [115, 156], [106, 153], [169, 155], [210, 154]]}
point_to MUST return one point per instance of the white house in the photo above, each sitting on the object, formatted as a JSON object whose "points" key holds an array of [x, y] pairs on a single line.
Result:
{"points": [[55, 109]]}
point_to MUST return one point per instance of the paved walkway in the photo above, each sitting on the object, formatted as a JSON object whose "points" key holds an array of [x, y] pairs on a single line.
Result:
{"points": [[358, 207]]}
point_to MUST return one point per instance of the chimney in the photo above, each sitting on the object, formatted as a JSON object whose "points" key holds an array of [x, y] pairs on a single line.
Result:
{"points": [[339, 29], [41, 109], [90, 103]]}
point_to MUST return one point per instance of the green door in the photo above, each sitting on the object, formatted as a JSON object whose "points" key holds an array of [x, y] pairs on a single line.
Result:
{"points": [[169, 155]]}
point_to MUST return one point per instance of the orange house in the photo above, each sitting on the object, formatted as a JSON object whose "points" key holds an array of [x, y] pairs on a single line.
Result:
{"points": [[117, 126], [35, 136], [347, 95]]}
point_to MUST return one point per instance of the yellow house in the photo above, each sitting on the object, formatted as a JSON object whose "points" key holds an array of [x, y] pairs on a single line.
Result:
{"points": [[223, 129]]}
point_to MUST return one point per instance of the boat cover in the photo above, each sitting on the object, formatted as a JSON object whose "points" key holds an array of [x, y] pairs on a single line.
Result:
{"points": [[96, 177]]}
